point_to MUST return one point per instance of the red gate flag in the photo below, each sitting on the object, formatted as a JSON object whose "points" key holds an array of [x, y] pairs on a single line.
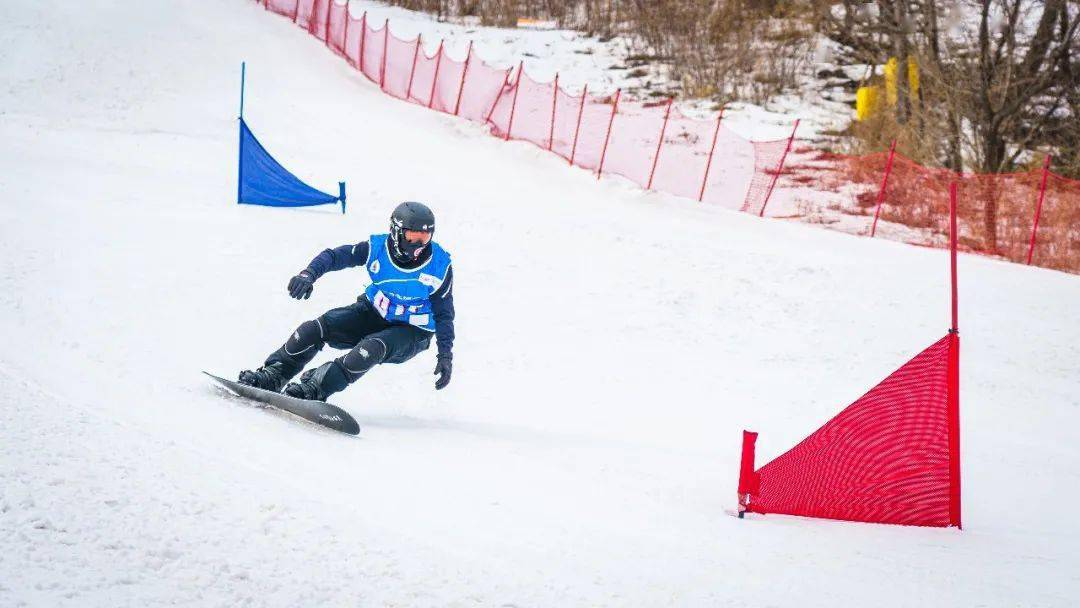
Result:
{"points": [[892, 457], [887, 458]]}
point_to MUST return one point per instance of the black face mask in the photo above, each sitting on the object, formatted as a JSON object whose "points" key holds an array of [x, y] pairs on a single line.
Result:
{"points": [[410, 251]]}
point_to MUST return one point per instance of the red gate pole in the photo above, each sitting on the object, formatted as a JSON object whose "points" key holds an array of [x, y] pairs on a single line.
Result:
{"points": [[506, 82], [412, 72], [363, 39], [513, 104], [660, 143], [749, 483], [952, 250], [611, 121], [464, 72], [296, 11], [881, 193], [1038, 208], [385, 39], [779, 168], [435, 78], [954, 375], [326, 27], [581, 108], [554, 101], [708, 163]]}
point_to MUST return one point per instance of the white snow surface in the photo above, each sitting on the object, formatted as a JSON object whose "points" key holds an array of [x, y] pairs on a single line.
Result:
{"points": [[612, 344]]}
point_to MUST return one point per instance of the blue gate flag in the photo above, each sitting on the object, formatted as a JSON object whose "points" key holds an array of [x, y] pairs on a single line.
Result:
{"points": [[263, 181]]}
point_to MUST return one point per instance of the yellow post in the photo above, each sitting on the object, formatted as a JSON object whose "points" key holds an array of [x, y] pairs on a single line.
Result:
{"points": [[866, 102]]}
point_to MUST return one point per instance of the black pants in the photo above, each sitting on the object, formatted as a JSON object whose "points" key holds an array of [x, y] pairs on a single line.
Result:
{"points": [[358, 327]]}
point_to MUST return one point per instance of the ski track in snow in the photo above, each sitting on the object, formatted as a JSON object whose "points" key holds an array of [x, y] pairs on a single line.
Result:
{"points": [[612, 344]]}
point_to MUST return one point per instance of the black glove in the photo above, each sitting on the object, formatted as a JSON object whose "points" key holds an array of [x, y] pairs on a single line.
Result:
{"points": [[443, 367], [301, 285]]}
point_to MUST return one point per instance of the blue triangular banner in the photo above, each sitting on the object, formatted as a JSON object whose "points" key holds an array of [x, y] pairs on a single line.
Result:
{"points": [[263, 181]]}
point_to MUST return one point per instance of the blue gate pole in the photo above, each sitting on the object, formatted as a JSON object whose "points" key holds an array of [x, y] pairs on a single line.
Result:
{"points": [[240, 146], [243, 71], [341, 195]]}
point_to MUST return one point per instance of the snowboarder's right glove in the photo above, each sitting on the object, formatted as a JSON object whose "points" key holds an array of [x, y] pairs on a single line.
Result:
{"points": [[301, 285]]}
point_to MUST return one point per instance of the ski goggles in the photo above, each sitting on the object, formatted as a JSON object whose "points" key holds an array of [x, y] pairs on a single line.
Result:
{"points": [[418, 236]]}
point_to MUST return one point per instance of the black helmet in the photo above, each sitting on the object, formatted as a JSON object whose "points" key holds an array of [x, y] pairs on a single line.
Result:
{"points": [[411, 216]]}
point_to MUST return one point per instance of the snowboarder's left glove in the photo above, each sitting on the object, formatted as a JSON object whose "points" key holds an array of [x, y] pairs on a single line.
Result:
{"points": [[301, 285], [443, 367]]}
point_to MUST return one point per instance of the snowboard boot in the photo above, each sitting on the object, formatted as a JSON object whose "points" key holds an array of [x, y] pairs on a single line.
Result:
{"points": [[268, 377], [319, 383]]}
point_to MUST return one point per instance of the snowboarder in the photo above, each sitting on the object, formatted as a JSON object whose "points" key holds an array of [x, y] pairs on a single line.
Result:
{"points": [[409, 298]]}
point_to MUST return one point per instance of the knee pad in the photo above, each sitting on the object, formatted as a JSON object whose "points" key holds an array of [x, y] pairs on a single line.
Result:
{"points": [[364, 356], [306, 340]]}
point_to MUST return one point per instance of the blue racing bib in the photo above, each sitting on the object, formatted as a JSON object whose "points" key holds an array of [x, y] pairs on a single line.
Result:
{"points": [[401, 294]]}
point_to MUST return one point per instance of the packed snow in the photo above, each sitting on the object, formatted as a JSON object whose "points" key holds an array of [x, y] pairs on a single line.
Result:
{"points": [[612, 344]]}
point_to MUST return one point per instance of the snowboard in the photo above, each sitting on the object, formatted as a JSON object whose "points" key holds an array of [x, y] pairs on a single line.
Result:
{"points": [[319, 412]]}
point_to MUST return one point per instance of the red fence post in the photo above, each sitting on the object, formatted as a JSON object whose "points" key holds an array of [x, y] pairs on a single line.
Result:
{"points": [[412, 72], [464, 72], [554, 101], [607, 137], [581, 108], [708, 163], [385, 40], [506, 82], [881, 193], [1038, 207], [435, 78], [660, 143], [326, 27], [363, 39], [779, 168], [513, 104], [345, 36]]}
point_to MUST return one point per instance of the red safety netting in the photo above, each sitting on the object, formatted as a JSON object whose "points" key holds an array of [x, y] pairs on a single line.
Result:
{"points": [[996, 212], [531, 102], [856, 180], [564, 125], [768, 164], [423, 76], [503, 108], [999, 213], [890, 457], [355, 30], [374, 41], [581, 128], [401, 56], [632, 141], [318, 17], [702, 159], [336, 24], [287, 8], [1057, 234], [448, 82], [483, 85]]}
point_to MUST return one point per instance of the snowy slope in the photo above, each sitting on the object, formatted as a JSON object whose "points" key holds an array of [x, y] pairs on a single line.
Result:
{"points": [[612, 344]]}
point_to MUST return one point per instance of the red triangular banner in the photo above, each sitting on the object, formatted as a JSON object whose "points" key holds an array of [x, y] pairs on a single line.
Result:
{"points": [[890, 457]]}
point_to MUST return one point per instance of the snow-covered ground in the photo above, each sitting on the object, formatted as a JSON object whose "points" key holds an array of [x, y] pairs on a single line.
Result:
{"points": [[612, 344]]}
